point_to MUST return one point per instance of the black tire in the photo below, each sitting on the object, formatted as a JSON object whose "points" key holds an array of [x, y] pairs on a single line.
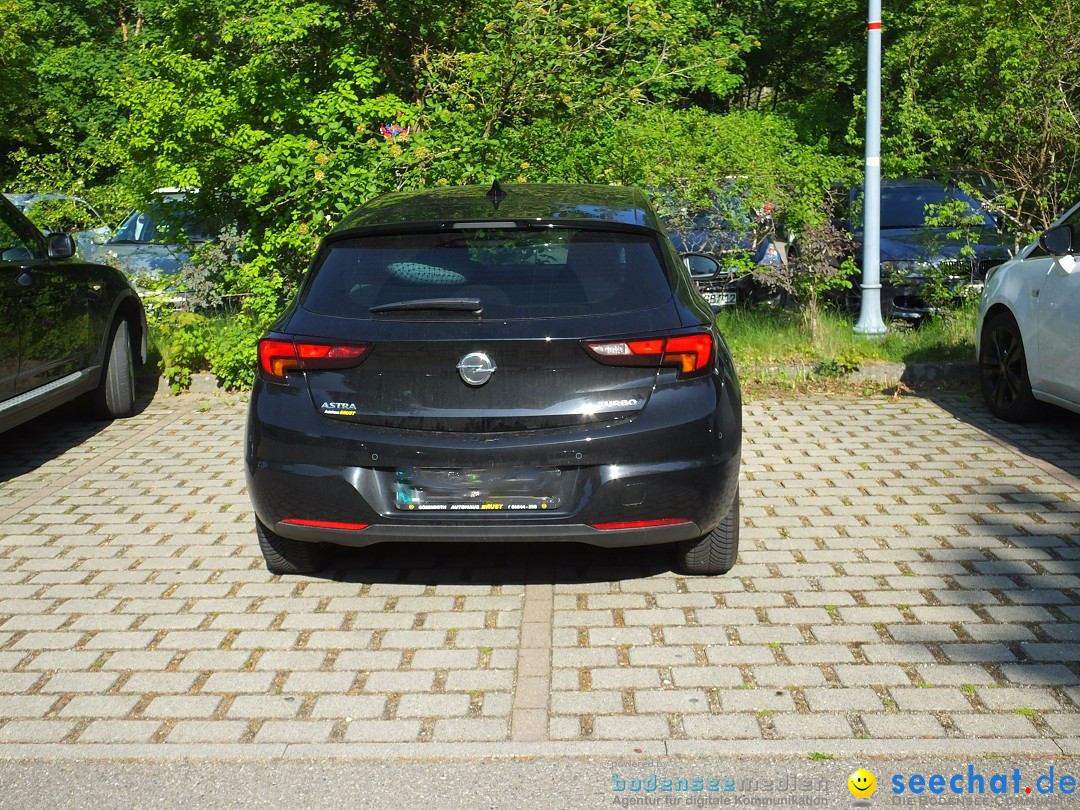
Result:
{"points": [[115, 394], [285, 556], [715, 553], [1003, 371]]}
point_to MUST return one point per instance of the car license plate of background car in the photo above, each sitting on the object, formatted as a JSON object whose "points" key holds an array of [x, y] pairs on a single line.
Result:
{"points": [[720, 299], [491, 490]]}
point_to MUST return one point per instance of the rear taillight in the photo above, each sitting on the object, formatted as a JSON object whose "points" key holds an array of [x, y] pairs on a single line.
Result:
{"points": [[278, 357], [691, 354]]}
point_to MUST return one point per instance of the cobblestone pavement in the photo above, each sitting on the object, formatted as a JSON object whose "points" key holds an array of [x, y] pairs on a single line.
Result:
{"points": [[908, 581]]}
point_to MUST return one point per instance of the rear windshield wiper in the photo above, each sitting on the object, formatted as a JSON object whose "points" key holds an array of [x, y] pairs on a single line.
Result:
{"points": [[444, 304]]}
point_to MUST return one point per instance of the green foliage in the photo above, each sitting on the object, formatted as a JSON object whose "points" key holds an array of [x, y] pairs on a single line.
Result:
{"points": [[995, 87], [232, 353], [189, 342], [272, 109], [182, 339]]}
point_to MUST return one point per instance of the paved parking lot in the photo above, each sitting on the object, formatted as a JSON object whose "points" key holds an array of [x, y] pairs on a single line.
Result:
{"points": [[908, 582]]}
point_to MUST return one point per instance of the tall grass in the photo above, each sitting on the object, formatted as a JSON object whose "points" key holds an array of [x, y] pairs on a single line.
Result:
{"points": [[765, 336]]}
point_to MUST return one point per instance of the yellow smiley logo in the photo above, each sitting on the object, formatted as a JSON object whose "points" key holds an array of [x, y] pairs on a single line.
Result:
{"points": [[862, 783]]}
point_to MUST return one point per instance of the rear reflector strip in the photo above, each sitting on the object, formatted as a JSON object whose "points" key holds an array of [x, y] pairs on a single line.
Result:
{"points": [[326, 524], [639, 524]]}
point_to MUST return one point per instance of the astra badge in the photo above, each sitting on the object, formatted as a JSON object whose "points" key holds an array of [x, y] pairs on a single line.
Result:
{"points": [[476, 368]]}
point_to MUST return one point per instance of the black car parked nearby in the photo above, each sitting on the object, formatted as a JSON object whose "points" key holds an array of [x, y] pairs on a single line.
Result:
{"points": [[722, 243], [532, 364], [911, 249], [70, 327]]}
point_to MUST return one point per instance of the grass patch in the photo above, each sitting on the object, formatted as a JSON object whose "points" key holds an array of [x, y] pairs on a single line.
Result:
{"points": [[764, 337], [819, 756]]}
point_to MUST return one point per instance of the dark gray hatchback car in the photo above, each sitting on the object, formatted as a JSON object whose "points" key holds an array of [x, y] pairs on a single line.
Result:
{"points": [[528, 364], [69, 327]]}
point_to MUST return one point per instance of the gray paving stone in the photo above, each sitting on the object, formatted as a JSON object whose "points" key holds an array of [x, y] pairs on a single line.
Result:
{"points": [[783, 675], [415, 681], [470, 729], [586, 702], [295, 731], [755, 700], [120, 731], [803, 726], [182, 706], [35, 731], [264, 706], [77, 681], [207, 731], [978, 652], [652, 701], [480, 680], [349, 707], [382, 731], [723, 727], [616, 727], [99, 706], [1039, 674], [432, 705], [333, 682], [239, 682], [1012, 698], [870, 674], [992, 726], [930, 700], [907, 726], [837, 699], [26, 705]]}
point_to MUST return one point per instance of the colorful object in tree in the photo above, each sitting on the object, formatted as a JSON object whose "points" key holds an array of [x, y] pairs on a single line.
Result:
{"points": [[395, 129]]}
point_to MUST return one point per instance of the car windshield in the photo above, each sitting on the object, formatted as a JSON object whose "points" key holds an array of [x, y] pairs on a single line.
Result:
{"points": [[512, 272], [160, 222], [907, 207]]}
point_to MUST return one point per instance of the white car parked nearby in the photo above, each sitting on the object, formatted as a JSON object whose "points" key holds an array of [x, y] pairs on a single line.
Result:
{"points": [[1028, 334]]}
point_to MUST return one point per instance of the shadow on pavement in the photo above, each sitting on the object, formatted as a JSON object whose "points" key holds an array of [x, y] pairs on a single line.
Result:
{"points": [[496, 564], [49, 436], [1054, 440]]}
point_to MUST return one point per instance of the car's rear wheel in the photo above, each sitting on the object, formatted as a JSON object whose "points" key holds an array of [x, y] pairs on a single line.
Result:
{"points": [[285, 556], [1003, 371], [115, 394], [714, 553]]}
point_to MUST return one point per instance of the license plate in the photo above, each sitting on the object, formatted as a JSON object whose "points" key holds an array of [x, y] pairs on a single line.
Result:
{"points": [[509, 489], [720, 299]]}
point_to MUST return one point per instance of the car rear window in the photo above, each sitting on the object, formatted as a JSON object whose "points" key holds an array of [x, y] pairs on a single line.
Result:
{"points": [[514, 272]]}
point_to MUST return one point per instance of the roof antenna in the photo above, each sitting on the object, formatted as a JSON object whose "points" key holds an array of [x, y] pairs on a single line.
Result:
{"points": [[496, 193]]}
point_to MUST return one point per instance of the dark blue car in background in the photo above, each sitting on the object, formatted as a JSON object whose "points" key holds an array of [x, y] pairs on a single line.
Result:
{"points": [[912, 251]]}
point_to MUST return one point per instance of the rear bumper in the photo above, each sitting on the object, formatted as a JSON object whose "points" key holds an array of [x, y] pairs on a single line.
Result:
{"points": [[504, 533], [677, 460]]}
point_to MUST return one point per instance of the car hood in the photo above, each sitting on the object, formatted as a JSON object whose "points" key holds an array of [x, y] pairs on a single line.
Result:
{"points": [[935, 244], [144, 260]]}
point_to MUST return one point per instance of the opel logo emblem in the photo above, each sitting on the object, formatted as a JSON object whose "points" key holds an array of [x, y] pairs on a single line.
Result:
{"points": [[476, 368]]}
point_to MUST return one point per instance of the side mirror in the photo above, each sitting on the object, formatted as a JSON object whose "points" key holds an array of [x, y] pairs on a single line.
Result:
{"points": [[61, 246], [701, 267], [1057, 241]]}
